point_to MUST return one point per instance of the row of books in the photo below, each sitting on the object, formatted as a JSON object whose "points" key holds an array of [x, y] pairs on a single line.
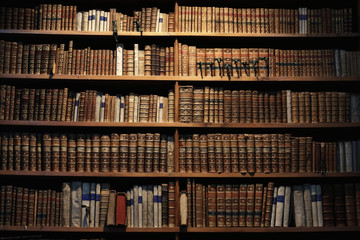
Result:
{"points": [[264, 20], [270, 205], [65, 17], [153, 60], [149, 19], [20, 58], [265, 153], [212, 104], [65, 152], [264, 62], [85, 204], [191, 19], [89, 105]]}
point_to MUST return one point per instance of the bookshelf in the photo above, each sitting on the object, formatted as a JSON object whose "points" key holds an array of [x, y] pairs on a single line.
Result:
{"points": [[161, 84]]}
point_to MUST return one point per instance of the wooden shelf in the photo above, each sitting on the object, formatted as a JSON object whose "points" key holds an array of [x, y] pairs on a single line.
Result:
{"points": [[177, 229], [87, 229], [179, 124], [175, 34], [180, 78], [175, 175], [272, 229]]}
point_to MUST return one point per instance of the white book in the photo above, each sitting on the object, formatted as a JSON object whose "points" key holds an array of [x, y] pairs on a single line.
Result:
{"points": [[76, 196], [66, 195], [85, 21], [136, 108], [136, 206], [119, 59], [122, 108], [136, 59], [287, 206], [183, 209], [92, 204], [314, 210], [307, 205], [93, 20], [280, 206], [76, 112], [273, 210], [89, 20], [108, 19], [97, 204], [102, 21], [128, 208], [117, 108], [141, 62], [299, 208], [85, 205], [97, 106], [306, 30], [97, 20], [140, 202], [79, 20], [150, 209], [132, 213], [161, 109], [157, 20], [156, 207], [319, 205], [144, 206], [160, 205], [102, 108], [161, 23], [348, 156], [341, 157], [288, 106]]}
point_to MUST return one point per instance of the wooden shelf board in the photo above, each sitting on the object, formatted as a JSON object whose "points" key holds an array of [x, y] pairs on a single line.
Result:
{"points": [[86, 229], [179, 78], [174, 175], [179, 124], [272, 229], [177, 34], [176, 229]]}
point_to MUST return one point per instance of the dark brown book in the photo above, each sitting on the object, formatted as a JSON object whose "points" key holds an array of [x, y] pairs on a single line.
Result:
{"points": [[172, 204]]}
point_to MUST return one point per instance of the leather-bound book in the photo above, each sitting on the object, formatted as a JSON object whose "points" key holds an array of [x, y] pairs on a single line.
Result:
{"points": [[258, 153], [123, 152], [55, 153], [220, 205], [120, 218], [188, 153], [80, 153], [104, 204], [339, 205], [104, 161], [327, 194], [234, 154], [114, 152], [172, 206], [242, 153]]}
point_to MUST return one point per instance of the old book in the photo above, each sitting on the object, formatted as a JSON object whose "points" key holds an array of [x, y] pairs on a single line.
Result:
{"points": [[171, 199], [76, 201], [85, 205], [104, 204], [111, 211], [120, 209]]}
